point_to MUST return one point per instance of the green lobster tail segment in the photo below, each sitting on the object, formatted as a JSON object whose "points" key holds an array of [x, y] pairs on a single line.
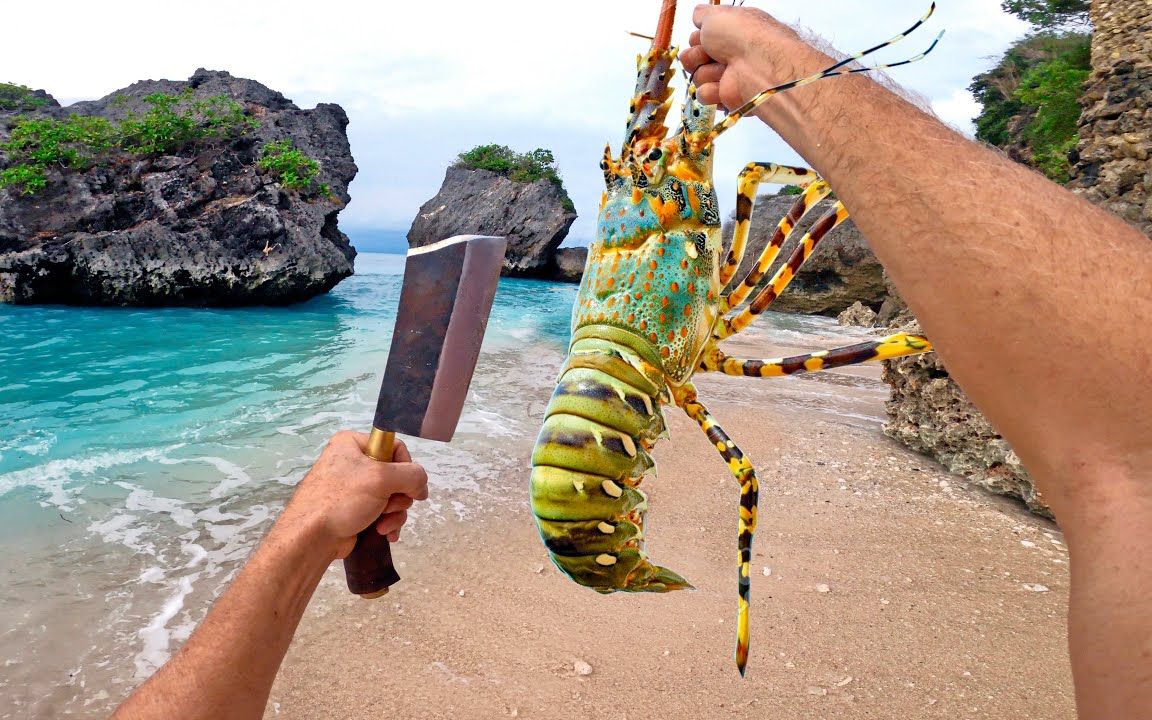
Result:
{"points": [[659, 294], [589, 458]]}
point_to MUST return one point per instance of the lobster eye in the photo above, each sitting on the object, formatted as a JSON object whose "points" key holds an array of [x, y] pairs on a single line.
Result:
{"points": [[656, 154]]}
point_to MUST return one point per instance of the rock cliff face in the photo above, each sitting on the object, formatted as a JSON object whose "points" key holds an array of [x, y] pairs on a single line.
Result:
{"points": [[929, 413], [204, 227], [1114, 169], [535, 217], [841, 271], [570, 264]]}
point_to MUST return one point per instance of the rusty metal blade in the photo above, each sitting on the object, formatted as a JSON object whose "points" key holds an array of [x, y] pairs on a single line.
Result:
{"points": [[444, 306]]}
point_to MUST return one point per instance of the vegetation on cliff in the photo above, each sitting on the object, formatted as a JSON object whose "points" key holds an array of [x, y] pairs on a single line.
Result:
{"points": [[1031, 99], [538, 164], [171, 123], [19, 98], [291, 167]]}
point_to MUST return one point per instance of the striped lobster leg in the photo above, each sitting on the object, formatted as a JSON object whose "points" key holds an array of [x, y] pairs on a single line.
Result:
{"points": [[745, 474], [893, 346], [750, 178], [733, 324]]}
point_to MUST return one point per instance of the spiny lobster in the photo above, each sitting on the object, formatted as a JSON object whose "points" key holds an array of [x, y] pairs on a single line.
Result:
{"points": [[655, 301]]}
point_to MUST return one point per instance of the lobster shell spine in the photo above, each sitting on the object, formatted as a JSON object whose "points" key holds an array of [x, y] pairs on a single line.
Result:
{"points": [[588, 462]]}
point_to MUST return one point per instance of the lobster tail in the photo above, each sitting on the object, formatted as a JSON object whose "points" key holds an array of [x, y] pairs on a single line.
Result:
{"points": [[587, 465]]}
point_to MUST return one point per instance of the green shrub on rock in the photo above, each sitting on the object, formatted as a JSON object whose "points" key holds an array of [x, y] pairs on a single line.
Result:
{"points": [[170, 124], [528, 167], [1031, 100], [19, 98], [291, 167]]}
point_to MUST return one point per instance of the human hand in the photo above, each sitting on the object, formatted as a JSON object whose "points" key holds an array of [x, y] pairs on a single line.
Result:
{"points": [[739, 52], [346, 491]]}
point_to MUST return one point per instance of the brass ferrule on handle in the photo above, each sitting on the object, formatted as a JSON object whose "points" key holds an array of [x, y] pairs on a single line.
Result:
{"points": [[381, 445], [368, 568]]}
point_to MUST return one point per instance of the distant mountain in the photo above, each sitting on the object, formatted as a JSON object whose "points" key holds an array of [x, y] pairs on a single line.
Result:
{"points": [[378, 240]]}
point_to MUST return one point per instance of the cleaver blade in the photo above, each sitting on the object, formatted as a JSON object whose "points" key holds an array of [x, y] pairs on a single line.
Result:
{"points": [[445, 302]]}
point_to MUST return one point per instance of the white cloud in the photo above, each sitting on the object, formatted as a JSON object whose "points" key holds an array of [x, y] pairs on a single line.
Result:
{"points": [[423, 81]]}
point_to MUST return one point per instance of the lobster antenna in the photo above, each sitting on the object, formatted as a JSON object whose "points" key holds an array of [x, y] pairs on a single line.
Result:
{"points": [[831, 71], [663, 39]]}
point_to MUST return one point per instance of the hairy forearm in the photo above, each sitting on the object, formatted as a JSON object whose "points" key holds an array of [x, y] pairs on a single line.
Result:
{"points": [[1039, 304], [1037, 301], [227, 667]]}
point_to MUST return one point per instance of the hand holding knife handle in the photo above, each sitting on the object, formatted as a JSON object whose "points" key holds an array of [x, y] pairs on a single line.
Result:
{"points": [[445, 300], [369, 568]]}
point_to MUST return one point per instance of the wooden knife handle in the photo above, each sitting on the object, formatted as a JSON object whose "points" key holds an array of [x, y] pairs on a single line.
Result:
{"points": [[369, 569]]}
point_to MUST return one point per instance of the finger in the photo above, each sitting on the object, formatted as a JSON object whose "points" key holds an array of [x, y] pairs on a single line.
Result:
{"points": [[693, 58], [391, 522], [397, 503], [400, 453], [383, 480], [710, 73], [709, 94], [694, 38]]}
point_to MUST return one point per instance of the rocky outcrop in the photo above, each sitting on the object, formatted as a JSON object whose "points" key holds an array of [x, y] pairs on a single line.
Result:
{"points": [[535, 217], [570, 264], [929, 413], [204, 227], [858, 314], [841, 271], [1114, 163]]}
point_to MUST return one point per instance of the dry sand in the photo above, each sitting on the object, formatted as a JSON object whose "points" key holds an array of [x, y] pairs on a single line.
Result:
{"points": [[895, 591]]}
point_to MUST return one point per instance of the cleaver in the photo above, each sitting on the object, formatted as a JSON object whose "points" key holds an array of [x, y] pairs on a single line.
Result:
{"points": [[444, 306]]}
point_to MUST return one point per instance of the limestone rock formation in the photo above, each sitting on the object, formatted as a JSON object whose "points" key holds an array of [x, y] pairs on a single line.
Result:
{"points": [[858, 314], [535, 217], [1114, 165], [570, 264], [206, 226], [929, 413], [841, 271]]}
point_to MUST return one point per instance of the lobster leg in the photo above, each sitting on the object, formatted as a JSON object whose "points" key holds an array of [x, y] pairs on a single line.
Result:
{"points": [[745, 474], [893, 346], [733, 324], [750, 178]]}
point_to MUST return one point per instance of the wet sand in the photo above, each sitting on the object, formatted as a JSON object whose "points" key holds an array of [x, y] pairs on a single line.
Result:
{"points": [[883, 587]]}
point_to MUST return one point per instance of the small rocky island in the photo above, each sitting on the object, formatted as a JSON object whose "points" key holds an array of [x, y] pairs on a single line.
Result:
{"points": [[212, 191], [493, 190]]}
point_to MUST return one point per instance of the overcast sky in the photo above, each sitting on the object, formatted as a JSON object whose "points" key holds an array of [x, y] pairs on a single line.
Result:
{"points": [[422, 81]]}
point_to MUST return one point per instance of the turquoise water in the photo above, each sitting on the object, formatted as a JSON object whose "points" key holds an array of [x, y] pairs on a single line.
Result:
{"points": [[144, 451]]}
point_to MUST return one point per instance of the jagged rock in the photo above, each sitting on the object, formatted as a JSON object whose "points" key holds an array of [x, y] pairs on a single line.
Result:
{"points": [[535, 217], [841, 271], [929, 413], [859, 314], [1113, 162], [570, 264], [893, 311], [207, 227]]}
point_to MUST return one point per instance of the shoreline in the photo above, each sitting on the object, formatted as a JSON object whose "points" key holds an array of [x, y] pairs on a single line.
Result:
{"points": [[895, 590]]}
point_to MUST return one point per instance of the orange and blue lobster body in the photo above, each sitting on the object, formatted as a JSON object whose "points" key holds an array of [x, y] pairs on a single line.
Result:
{"points": [[656, 299]]}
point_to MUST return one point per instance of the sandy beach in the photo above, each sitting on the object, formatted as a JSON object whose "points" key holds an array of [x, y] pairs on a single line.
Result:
{"points": [[883, 587]]}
